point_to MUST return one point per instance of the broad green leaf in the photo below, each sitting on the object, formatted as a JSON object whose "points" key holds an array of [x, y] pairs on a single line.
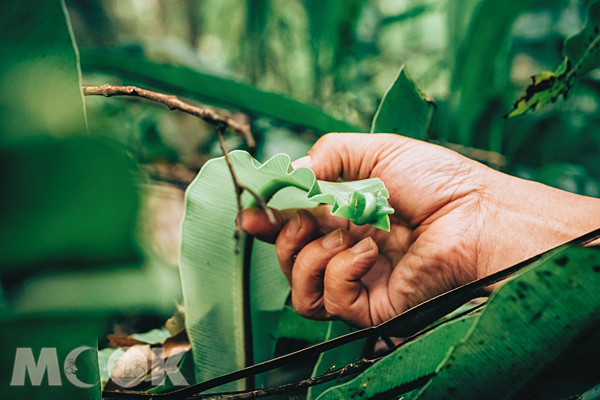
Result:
{"points": [[404, 109], [526, 325], [413, 363], [211, 271], [582, 54], [569, 375], [522, 335], [476, 59], [211, 89]]}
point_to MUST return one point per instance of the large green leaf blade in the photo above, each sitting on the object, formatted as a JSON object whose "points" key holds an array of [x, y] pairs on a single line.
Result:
{"points": [[527, 324], [180, 80], [404, 109], [412, 364]]}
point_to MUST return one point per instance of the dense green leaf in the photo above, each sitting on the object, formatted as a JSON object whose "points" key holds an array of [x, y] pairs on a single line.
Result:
{"points": [[211, 89], [582, 54], [212, 273], [404, 109]]}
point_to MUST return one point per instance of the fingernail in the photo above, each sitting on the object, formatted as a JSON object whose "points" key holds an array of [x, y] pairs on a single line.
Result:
{"points": [[301, 162], [294, 225], [333, 240], [363, 246]]}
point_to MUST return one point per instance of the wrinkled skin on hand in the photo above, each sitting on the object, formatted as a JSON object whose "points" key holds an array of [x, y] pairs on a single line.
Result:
{"points": [[455, 221]]}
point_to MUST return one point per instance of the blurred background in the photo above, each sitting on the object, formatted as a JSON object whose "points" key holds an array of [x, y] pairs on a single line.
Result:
{"points": [[474, 58]]}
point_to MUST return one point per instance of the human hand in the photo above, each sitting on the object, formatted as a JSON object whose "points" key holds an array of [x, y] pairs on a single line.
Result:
{"points": [[455, 221]]}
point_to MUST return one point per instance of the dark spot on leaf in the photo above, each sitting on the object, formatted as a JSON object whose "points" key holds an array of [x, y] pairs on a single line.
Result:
{"points": [[452, 390], [526, 307], [568, 326], [536, 316], [520, 294], [481, 342], [596, 268], [591, 39], [547, 273], [523, 285], [596, 29], [513, 298], [562, 261], [395, 130], [447, 366]]}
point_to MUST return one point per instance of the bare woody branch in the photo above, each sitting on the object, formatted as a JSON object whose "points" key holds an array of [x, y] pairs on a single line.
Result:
{"points": [[173, 103]]}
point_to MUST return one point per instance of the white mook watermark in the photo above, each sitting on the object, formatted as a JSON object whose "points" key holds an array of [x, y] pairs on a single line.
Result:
{"points": [[129, 368]]}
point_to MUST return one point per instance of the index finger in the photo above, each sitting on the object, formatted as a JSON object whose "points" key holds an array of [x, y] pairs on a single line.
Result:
{"points": [[256, 222]]}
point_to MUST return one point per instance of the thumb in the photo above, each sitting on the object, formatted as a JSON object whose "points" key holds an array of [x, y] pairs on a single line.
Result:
{"points": [[346, 155]]}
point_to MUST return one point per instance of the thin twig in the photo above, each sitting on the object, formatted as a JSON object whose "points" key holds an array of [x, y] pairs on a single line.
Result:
{"points": [[173, 103], [239, 189]]}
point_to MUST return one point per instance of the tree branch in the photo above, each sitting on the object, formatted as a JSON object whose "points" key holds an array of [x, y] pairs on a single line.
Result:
{"points": [[173, 103]]}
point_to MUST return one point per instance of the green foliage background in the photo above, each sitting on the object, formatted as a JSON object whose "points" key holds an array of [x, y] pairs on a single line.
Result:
{"points": [[472, 57]]}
